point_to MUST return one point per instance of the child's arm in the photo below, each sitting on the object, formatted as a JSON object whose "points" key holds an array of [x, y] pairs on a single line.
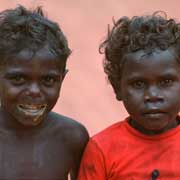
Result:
{"points": [[93, 163], [80, 140]]}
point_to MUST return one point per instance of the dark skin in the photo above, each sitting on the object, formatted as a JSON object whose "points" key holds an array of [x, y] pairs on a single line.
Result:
{"points": [[36, 143], [150, 88]]}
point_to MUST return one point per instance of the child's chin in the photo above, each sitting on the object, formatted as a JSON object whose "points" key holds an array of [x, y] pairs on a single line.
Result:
{"points": [[157, 128], [30, 121]]}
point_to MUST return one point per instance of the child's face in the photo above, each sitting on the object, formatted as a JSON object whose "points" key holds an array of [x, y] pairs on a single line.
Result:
{"points": [[150, 90], [30, 86]]}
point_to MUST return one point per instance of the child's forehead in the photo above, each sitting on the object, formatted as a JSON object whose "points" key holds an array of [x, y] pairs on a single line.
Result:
{"points": [[151, 66], [156, 55], [27, 55], [42, 60]]}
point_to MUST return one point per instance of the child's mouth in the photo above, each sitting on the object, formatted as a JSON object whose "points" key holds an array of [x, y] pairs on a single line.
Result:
{"points": [[154, 113], [32, 110]]}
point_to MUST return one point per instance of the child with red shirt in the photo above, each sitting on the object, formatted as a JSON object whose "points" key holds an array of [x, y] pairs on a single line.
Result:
{"points": [[142, 62]]}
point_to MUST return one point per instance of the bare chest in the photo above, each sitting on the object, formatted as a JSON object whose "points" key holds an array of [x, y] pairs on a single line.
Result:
{"points": [[34, 158]]}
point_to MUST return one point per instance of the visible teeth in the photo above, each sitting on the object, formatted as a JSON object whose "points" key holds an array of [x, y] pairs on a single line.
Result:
{"points": [[32, 110], [31, 106]]}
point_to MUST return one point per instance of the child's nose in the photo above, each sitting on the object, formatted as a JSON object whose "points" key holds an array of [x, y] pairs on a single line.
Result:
{"points": [[153, 94], [33, 90]]}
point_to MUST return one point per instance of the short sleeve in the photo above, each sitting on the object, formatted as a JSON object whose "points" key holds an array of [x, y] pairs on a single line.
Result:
{"points": [[92, 164]]}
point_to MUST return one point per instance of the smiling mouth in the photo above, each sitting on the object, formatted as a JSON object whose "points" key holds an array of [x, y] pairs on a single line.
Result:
{"points": [[32, 110]]}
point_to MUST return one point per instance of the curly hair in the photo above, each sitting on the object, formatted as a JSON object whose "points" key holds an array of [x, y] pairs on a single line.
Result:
{"points": [[129, 35], [29, 29]]}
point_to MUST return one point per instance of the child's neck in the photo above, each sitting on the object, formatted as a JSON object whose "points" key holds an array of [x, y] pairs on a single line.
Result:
{"points": [[141, 129], [9, 124]]}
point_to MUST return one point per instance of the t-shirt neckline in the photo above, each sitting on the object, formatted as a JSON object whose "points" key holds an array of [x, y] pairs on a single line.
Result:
{"points": [[164, 135]]}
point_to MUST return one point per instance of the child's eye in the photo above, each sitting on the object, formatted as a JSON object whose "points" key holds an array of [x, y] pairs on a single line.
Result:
{"points": [[166, 82], [17, 79], [49, 81], [138, 84]]}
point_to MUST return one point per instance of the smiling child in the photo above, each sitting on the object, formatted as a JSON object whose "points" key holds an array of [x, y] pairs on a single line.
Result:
{"points": [[35, 143]]}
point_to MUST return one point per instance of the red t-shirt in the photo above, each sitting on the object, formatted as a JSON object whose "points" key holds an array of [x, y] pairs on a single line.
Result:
{"points": [[122, 153]]}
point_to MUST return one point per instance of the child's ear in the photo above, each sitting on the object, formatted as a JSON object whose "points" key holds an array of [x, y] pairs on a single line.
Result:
{"points": [[118, 96], [117, 91], [64, 74]]}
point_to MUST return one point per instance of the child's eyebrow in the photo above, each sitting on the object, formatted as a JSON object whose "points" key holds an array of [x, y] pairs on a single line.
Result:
{"points": [[134, 76], [137, 78], [52, 73], [14, 71], [21, 71], [169, 74]]}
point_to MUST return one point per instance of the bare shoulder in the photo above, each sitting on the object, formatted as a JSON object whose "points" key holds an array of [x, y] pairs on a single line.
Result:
{"points": [[73, 133]]}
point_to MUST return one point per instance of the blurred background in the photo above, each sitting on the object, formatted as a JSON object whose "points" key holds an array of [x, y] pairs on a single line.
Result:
{"points": [[86, 95]]}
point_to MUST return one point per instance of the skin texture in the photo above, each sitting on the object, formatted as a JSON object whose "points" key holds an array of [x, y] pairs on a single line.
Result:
{"points": [[150, 87], [45, 146]]}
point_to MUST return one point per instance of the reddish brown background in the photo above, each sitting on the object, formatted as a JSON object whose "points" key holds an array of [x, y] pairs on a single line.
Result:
{"points": [[86, 95]]}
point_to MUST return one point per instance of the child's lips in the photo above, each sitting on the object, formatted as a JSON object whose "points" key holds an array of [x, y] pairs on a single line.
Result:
{"points": [[154, 113], [32, 110]]}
